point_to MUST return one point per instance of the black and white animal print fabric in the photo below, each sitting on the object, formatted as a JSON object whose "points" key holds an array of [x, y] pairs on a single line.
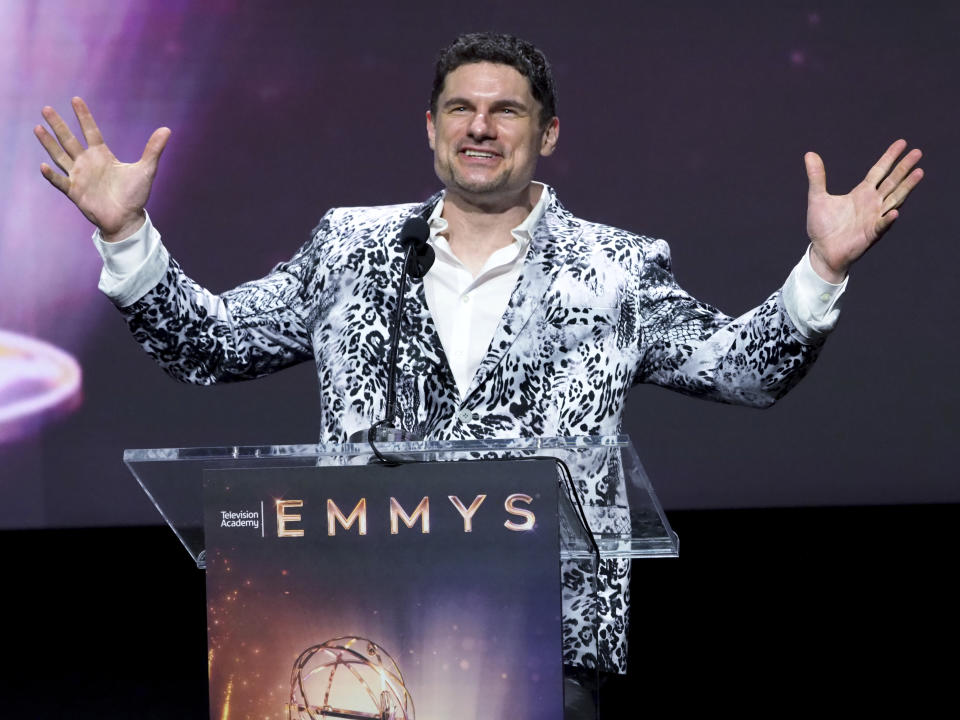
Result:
{"points": [[595, 311]]}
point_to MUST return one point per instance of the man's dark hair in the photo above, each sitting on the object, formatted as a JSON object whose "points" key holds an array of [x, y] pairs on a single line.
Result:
{"points": [[519, 54]]}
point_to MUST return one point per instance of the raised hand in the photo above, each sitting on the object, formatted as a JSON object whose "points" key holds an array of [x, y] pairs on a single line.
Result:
{"points": [[843, 227], [111, 194]]}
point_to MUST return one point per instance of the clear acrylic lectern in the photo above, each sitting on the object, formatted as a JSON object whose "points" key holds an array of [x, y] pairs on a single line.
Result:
{"points": [[603, 486]]}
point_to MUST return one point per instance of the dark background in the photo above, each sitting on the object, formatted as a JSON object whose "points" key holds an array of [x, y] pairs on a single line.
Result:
{"points": [[769, 612]]}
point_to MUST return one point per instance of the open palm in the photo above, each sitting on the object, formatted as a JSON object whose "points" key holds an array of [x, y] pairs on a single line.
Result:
{"points": [[111, 194], [843, 227]]}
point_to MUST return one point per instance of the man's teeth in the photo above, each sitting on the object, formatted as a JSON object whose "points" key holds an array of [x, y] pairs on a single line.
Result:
{"points": [[476, 153]]}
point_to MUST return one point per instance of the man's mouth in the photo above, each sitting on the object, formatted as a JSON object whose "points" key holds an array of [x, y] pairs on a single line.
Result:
{"points": [[479, 154]]}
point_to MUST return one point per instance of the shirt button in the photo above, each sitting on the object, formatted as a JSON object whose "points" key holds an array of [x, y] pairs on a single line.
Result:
{"points": [[824, 296], [465, 299], [466, 416]]}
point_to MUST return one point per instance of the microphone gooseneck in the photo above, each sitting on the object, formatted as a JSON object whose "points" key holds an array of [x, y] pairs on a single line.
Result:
{"points": [[418, 257], [413, 238]]}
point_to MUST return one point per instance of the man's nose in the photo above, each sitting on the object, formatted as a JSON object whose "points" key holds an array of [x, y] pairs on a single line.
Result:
{"points": [[481, 127]]}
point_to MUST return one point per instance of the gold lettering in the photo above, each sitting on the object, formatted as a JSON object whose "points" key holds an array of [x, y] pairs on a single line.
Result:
{"points": [[283, 518], [527, 524], [467, 513], [397, 514], [334, 516]]}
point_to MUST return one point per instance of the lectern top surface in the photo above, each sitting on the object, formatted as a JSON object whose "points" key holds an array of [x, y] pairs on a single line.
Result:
{"points": [[352, 449]]}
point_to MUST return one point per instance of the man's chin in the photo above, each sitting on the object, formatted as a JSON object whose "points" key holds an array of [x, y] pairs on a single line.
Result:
{"points": [[488, 188], [479, 189]]}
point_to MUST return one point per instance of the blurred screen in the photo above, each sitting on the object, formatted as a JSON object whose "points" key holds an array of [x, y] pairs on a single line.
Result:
{"points": [[685, 121]]}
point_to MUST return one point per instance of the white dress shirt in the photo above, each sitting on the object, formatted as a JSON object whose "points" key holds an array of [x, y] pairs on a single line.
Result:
{"points": [[465, 309]]}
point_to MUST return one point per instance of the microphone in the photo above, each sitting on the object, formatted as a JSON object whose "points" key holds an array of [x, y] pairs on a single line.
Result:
{"points": [[418, 258], [415, 234]]}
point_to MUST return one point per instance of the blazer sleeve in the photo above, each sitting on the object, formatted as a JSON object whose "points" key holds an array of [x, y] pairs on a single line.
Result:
{"points": [[260, 327], [691, 347]]}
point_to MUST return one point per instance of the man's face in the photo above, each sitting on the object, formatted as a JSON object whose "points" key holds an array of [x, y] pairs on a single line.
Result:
{"points": [[486, 135]]}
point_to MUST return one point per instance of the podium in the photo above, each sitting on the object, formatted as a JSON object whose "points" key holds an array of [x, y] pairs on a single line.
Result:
{"points": [[296, 531]]}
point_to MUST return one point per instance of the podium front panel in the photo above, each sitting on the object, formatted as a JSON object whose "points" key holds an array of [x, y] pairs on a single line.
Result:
{"points": [[370, 591]]}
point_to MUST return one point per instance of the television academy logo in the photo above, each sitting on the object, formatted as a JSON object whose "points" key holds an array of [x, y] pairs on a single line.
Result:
{"points": [[241, 518], [289, 518]]}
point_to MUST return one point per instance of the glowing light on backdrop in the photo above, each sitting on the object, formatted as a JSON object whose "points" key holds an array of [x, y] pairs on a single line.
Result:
{"points": [[51, 50], [37, 381]]}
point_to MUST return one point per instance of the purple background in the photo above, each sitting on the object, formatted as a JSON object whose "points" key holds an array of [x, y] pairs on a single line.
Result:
{"points": [[685, 121]]}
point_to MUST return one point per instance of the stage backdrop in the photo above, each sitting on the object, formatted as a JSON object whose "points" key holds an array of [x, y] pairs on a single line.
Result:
{"points": [[686, 121]]}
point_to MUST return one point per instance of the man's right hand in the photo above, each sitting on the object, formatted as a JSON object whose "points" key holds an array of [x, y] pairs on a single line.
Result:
{"points": [[111, 194]]}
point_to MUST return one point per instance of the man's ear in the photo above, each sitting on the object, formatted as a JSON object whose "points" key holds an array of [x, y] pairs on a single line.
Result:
{"points": [[550, 137], [431, 131]]}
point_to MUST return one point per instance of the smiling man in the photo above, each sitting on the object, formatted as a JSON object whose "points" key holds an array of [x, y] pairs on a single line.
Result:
{"points": [[532, 322], [487, 131]]}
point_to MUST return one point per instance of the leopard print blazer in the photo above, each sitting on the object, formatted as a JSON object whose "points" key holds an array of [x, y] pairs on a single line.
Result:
{"points": [[595, 311]]}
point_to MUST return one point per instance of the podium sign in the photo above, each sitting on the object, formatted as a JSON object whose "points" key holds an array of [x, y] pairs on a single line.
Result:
{"points": [[429, 590]]}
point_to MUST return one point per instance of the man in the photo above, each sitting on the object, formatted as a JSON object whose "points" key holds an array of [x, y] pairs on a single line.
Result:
{"points": [[531, 322]]}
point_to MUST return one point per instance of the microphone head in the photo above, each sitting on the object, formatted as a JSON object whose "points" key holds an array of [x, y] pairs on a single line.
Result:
{"points": [[415, 232]]}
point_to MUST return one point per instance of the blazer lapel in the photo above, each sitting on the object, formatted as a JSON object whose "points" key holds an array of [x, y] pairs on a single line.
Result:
{"points": [[420, 342], [553, 238], [420, 332]]}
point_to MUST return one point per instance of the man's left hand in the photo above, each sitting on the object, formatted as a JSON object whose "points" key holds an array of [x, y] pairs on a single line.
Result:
{"points": [[843, 227]]}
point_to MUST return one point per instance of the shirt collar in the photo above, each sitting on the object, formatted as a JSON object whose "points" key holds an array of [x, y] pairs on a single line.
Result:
{"points": [[522, 233]]}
